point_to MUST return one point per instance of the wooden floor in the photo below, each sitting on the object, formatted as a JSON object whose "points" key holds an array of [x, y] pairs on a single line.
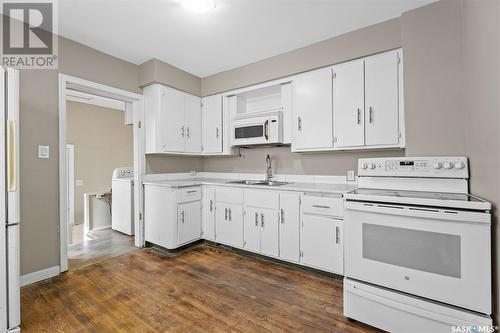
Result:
{"points": [[106, 244], [202, 289]]}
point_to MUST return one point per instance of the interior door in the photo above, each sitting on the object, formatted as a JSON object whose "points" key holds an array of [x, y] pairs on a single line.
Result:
{"points": [[312, 110], [251, 231], [212, 124], [171, 128], [318, 242], [289, 228], [208, 220], [189, 221], [269, 242], [193, 123], [381, 103], [3, 213], [348, 104]]}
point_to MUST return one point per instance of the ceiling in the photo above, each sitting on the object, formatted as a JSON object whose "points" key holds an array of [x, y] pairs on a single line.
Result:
{"points": [[235, 33]]}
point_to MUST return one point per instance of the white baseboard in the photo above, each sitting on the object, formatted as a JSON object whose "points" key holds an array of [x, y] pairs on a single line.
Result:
{"points": [[40, 275], [101, 228]]}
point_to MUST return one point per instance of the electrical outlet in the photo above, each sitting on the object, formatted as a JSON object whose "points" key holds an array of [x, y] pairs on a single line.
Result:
{"points": [[43, 151], [79, 182], [192, 173], [350, 175]]}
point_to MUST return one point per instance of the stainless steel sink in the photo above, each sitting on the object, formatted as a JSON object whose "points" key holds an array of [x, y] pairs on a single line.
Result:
{"points": [[258, 182]]}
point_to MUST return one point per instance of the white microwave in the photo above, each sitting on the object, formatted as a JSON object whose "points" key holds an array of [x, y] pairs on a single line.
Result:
{"points": [[257, 129]]}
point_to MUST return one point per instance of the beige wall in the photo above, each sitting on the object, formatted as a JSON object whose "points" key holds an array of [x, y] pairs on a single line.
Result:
{"points": [[156, 71], [167, 163], [481, 78], [102, 143], [39, 126]]}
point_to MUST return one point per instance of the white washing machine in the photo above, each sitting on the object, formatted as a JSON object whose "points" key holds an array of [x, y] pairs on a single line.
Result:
{"points": [[122, 206]]}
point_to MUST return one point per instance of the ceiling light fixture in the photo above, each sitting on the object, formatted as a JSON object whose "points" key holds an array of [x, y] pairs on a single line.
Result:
{"points": [[198, 6]]}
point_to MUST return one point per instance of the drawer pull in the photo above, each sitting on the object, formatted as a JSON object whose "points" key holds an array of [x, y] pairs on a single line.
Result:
{"points": [[321, 206], [192, 191]]}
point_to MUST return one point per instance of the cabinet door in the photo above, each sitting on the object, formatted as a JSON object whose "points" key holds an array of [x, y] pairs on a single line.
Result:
{"points": [[229, 224], [208, 218], [269, 243], [381, 104], [193, 123], [189, 221], [289, 229], [251, 231], [171, 129], [320, 243], [212, 124], [348, 104], [312, 110]]}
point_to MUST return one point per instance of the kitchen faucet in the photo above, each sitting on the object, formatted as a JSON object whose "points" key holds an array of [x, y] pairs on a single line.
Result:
{"points": [[269, 171]]}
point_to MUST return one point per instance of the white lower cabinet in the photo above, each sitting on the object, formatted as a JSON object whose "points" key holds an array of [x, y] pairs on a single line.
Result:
{"points": [[252, 229], [208, 213], [321, 243], [229, 224], [289, 226], [189, 221]]}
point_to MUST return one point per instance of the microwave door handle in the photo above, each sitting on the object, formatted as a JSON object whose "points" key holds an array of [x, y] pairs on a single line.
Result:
{"points": [[266, 130]]}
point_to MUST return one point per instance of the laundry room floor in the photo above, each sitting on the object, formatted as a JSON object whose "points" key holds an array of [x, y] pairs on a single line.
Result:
{"points": [[98, 246], [202, 289]]}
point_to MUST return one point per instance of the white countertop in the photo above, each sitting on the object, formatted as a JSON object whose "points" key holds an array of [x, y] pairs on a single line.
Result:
{"points": [[292, 186]]}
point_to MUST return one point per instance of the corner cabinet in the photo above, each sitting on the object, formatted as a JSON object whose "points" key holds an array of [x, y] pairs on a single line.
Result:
{"points": [[312, 111], [368, 102]]}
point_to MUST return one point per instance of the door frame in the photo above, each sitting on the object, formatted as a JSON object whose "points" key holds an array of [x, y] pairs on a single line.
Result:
{"points": [[70, 83], [70, 176]]}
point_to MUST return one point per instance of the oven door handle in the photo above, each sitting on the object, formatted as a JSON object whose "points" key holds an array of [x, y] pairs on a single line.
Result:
{"points": [[404, 307], [421, 212]]}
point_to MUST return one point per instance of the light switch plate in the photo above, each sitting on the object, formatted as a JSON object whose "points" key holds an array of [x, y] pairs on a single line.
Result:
{"points": [[43, 151], [350, 175]]}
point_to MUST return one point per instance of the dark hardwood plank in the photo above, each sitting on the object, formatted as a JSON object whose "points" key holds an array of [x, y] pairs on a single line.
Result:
{"points": [[201, 289]]}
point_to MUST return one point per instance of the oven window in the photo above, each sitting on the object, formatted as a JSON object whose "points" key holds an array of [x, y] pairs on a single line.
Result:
{"points": [[426, 251], [246, 132]]}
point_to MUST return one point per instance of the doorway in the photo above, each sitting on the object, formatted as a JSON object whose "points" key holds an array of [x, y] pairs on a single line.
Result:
{"points": [[99, 130]]}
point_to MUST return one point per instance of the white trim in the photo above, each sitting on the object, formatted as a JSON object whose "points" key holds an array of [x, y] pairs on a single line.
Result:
{"points": [[70, 84], [40, 275]]}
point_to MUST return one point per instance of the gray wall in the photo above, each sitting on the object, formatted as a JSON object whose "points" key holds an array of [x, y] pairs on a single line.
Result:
{"points": [[481, 79], [102, 143]]}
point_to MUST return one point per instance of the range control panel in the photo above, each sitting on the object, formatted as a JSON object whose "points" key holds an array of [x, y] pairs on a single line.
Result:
{"points": [[436, 167], [127, 172]]}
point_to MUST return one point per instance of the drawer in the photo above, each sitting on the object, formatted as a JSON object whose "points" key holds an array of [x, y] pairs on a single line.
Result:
{"points": [[322, 205], [262, 199], [229, 195], [191, 193]]}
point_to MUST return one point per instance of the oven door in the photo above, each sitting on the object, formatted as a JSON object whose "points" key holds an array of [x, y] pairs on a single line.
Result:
{"points": [[251, 131], [443, 255]]}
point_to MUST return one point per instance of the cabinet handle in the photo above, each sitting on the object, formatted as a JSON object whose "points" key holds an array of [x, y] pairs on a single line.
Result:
{"points": [[217, 132], [182, 131], [337, 235], [192, 191], [320, 206], [299, 123], [187, 131], [371, 115], [225, 214], [282, 216], [359, 116], [211, 205], [256, 219], [262, 220], [230, 219], [182, 217]]}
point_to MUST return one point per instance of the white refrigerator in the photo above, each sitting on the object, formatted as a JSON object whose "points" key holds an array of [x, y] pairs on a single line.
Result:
{"points": [[10, 308]]}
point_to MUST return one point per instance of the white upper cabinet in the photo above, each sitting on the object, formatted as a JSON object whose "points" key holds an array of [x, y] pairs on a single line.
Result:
{"points": [[368, 102], [312, 111], [382, 99], [348, 104], [192, 123], [171, 127], [211, 115]]}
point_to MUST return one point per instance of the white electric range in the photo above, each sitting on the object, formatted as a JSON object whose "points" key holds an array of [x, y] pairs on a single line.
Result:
{"points": [[417, 246]]}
